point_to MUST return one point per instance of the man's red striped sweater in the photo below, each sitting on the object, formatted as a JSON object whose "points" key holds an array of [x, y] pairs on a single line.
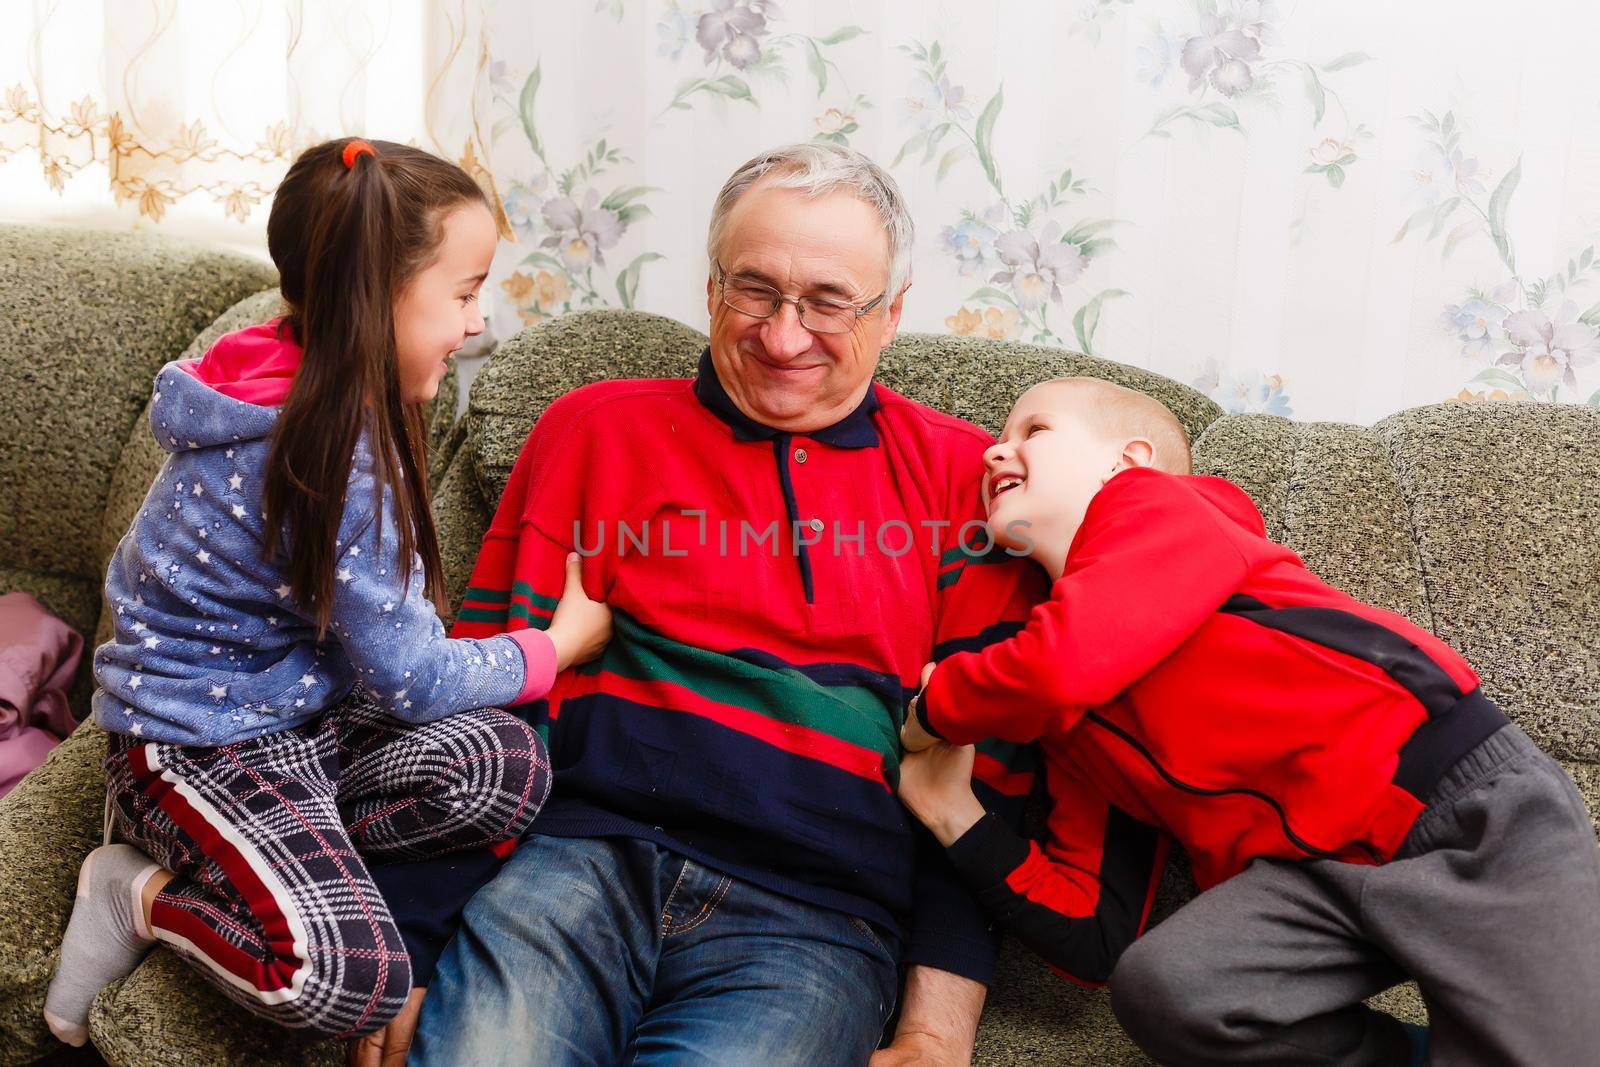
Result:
{"points": [[775, 598]]}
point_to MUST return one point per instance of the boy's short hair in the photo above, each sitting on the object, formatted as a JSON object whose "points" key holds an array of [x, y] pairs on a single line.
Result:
{"points": [[1119, 412]]}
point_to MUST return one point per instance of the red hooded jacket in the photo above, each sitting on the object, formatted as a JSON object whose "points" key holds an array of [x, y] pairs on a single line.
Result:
{"points": [[1189, 678]]}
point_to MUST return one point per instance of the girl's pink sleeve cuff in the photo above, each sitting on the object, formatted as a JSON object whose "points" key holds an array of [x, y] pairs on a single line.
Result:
{"points": [[539, 659]]}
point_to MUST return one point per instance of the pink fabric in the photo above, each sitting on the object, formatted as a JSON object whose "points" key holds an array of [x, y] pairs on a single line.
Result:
{"points": [[39, 656], [254, 365], [23, 752], [539, 658]]}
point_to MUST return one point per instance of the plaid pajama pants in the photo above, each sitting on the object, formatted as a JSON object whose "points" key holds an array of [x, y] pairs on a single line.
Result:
{"points": [[271, 898]]}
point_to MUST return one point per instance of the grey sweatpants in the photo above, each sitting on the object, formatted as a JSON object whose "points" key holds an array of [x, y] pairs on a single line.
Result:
{"points": [[1492, 905]]}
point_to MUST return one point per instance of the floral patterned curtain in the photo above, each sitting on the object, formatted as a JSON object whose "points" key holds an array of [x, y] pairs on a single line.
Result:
{"points": [[1322, 209]]}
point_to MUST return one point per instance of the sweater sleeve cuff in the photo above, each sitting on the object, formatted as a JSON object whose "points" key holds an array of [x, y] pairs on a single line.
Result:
{"points": [[919, 708], [988, 852], [935, 714], [539, 661], [972, 958]]}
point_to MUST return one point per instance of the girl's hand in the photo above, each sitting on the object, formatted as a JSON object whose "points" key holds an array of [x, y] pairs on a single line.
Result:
{"points": [[936, 785], [580, 627]]}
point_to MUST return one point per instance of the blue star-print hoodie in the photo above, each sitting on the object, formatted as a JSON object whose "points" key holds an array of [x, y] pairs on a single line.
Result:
{"points": [[209, 648]]}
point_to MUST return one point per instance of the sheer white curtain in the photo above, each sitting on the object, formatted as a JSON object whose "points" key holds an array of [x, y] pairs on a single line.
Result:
{"points": [[1330, 209], [186, 113]]}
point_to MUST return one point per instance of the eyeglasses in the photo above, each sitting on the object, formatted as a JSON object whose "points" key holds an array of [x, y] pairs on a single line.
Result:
{"points": [[817, 313]]}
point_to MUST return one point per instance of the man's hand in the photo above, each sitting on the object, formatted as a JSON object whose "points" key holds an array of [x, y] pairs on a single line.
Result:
{"points": [[918, 1050], [580, 627], [938, 1022], [388, 1047], [937, 786], [913, 738]]}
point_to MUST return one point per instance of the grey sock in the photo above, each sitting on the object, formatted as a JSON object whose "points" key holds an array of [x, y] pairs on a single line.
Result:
{"points": [[105, 939]]}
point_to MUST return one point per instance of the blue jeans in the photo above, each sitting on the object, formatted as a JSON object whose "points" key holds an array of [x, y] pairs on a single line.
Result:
{"points": [[614, 950]]}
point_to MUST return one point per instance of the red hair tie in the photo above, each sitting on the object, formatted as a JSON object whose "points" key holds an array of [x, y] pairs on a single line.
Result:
{"points": [[357, 148]]}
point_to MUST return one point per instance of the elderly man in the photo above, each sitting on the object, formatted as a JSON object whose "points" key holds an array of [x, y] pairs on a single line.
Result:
{"points": [[722, 873]]}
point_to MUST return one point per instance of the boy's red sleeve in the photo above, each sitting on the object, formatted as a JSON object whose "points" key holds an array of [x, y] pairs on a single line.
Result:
{"points": [[1150, 565], [1084, 897]]}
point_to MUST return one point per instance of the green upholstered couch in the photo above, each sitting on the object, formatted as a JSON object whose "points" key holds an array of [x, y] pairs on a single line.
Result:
{"points": [[1480, 522]]}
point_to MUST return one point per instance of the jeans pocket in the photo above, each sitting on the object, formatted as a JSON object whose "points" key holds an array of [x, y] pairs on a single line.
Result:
{"points": [[700, 898], [865, 929]]}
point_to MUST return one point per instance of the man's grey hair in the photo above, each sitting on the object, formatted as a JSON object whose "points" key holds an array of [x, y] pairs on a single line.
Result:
{"points": [[818, 168]]}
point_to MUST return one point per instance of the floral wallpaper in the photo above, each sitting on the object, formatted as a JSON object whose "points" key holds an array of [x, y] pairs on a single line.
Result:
{"points": [[1313, 209], [1523, 330]]}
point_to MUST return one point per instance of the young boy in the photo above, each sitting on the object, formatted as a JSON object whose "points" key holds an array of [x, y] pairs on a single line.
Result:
{"points": [[1357, 811]]}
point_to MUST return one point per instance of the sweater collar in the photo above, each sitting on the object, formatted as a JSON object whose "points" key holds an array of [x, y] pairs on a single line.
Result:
{"points": [[855, 430]]}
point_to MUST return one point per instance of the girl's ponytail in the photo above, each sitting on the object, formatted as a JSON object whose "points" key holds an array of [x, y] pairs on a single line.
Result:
{"points": [[346, 240]]}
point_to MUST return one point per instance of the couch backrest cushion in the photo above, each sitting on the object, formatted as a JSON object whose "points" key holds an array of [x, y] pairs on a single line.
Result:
{"points": [[978, 379], [1478, 521], [1328, 491], [1504, 500], [88, 317]]}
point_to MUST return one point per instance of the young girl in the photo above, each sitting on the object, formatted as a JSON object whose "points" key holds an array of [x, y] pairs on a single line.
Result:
{"points": [[281, 697]]}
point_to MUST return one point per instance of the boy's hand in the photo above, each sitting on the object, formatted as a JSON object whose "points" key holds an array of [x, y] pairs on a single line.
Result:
{"points": [[913, 738], [580, 627], [936, 785]]}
